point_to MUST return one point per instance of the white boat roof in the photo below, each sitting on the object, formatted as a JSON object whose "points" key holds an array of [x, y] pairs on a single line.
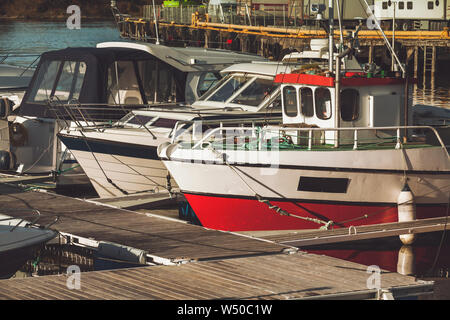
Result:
{"points": [[21, 237], [260, 68], [188, 59]]}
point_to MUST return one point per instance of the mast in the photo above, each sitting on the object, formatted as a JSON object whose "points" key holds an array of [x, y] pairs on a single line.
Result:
{"points": [[156, 22], [330, 36]]}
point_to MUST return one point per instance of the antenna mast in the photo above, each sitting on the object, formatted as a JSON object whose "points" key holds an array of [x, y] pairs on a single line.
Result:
{"points": [[331, 35]]}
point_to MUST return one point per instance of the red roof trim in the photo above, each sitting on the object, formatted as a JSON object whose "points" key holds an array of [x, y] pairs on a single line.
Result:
{"points": [[305, 79], [316, 80]]}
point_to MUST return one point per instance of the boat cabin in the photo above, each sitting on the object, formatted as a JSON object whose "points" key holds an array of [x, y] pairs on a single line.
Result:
{"points": [[309, 100], [103, 84], [246, 87], [126, 74]]}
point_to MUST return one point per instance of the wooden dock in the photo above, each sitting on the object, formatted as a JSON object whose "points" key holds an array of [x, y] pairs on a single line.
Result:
{"points": [[317, 237], [158, 236], [281, 276], [187, 261]]}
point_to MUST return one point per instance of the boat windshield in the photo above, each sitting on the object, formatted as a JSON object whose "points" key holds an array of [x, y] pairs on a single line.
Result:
{"points": [[229, 88], [61, 79], [241, 90], [255, 93]]}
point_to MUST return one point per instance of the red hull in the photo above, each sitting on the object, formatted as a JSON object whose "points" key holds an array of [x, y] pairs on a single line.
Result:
{"points": [[234, 214]]}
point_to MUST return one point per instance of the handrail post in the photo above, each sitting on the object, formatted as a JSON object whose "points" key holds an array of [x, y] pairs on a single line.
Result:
{"points": [[399, 141], [310, 132], [337, 100], [355, 139]]}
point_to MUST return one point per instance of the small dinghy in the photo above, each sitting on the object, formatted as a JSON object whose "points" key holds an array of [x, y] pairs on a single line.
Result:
{"points": [[19, 241]]}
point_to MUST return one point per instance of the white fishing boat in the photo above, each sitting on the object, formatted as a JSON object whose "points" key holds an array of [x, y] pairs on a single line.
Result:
{"points": [[89, 86], [19, 241], [345, 155]]}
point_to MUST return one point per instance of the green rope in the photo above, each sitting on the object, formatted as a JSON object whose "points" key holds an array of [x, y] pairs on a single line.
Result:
{"points": [[68, 169]]}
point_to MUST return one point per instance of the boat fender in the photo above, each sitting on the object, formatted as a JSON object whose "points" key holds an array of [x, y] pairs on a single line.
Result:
{"points": [[7, 160], [171, 149], [18, 134], [161, 149], [406, 212], [406, 261]]}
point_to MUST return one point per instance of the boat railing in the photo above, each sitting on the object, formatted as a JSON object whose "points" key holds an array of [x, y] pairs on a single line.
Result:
{"points": [[317, 138], [195, 127], [88, 116]]}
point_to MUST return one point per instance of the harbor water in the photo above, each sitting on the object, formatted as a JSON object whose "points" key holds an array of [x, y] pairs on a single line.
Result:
{"points": [[429, 257]]}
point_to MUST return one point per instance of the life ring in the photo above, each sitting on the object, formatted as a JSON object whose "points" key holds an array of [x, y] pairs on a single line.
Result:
{"points": [[18, 134]]}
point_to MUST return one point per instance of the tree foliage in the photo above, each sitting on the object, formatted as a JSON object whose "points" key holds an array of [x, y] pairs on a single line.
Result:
{"points": [[47, 9]]}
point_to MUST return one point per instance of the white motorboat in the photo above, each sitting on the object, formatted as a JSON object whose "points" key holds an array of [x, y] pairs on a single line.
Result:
{"points": [[122, 159], [97, 85]]}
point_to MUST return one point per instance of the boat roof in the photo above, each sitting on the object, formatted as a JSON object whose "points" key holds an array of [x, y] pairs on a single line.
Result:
{"points": [[188, 114], [188, 59], [353, 79], [260, 68]]}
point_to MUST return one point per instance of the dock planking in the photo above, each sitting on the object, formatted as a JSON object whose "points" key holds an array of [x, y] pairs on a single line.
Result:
{"points": [[158, 236], [279, 276], [304, 238]]}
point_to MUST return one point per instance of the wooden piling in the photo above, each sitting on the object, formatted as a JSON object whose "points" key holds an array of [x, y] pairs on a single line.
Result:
{"points": [[371, 53]]}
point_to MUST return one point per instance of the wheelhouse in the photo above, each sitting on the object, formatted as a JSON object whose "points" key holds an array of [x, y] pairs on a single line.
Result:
{"points": [[310, 101]]}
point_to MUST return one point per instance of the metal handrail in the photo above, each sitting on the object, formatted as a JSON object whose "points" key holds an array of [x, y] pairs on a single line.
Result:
{"points": [[221, 123], [310, 130]]}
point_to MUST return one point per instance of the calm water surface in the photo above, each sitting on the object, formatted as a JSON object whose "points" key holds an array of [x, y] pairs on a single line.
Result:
{"points": [[428, 257]]}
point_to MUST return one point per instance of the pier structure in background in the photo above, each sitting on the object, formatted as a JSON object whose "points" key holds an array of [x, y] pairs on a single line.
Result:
{"points": [[288, 29]]}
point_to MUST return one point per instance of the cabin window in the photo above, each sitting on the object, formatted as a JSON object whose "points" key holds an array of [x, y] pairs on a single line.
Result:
{"points": [[214, 87], [161, 82], [349, 104], [307, 102], [140, 120], [70, 81], [164, 123], [207, 81], [123, 87], [401, 5], [430, 5], [255, 93], [45, 81], [290, 101], [229, 88], [385, 5], [323, 103], [148, 71], [167, 90], [409, 5]]}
